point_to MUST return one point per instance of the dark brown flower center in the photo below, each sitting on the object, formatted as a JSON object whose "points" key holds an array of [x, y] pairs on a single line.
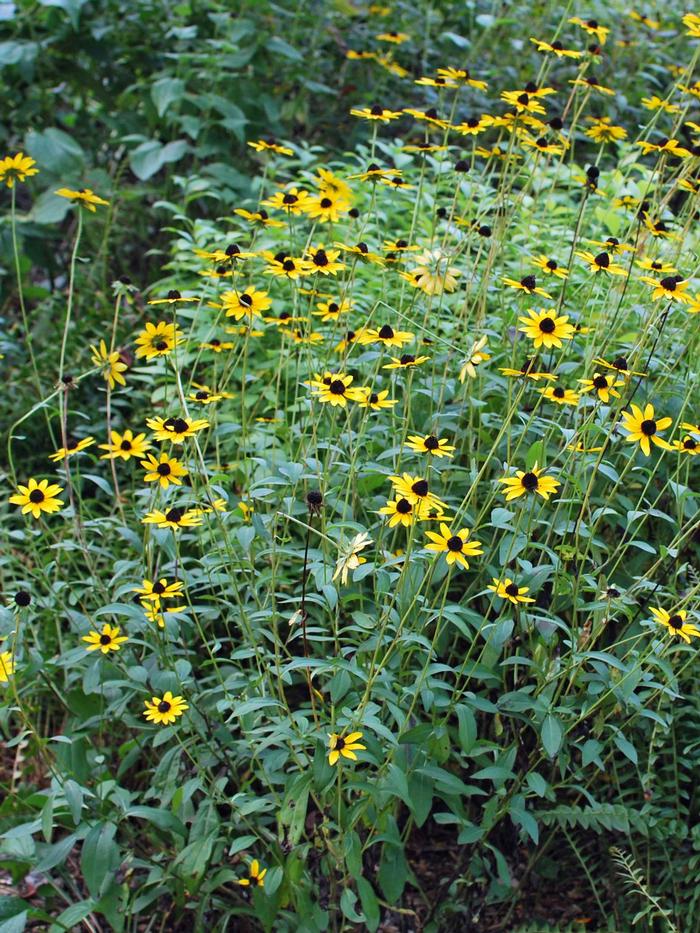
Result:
{"points": [[547, 325], [551, 265], [337, 387], [105, 640], [174, 294], [374, 398], [648, 427], [669, 283], [420, 487], [529, 282], [602, 260], [530, 482], [179, 425], [125, 445], [158, 588], [403, 507], [558, 392], [163, 469], [246, 300], [431, 443], [512, 589], [675, 621], [36, 496], [174, 515], [455, 544], [164, 706], [326, 203], [386, 332]]}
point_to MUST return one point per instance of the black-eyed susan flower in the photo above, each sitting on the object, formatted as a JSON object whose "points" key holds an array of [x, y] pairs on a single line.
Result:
{"points": [[110, 363], [292, 201], [256, 878], [670, 146], [658, 228], [282, 265], [475, 358], [158, 340], [546, 328], [385, 335], [37, 497], [590, 83], [204, 395], [462, 76], [528, 371], [555, 48], [336, 389], [270, 145], [376, 112], [250, 303], [125, 446], [676, 623], [430, 116], [656, 265], [396, 181], [105, 641], [216, 345], [642, 428], [592, 27], [362, 252], [687, 445], [174, 297], [692, 23], [349, 556], [376, 400], [164, 711], [175, 429], [690, 426], [603, 385], [260, 218], [163, 469], [16, 168], [455, 546], [332, 310], [619, 364], [86, 198], [508, 589], [549, 266], [523, 102], [175, 518], [405, 361], [7, 666], [525, 483], [156, 590], [430, 444], [326, 207], [600, 262], [654, 102], [671, 288], [439, 81], [603, 130], [401, 511], [527, 284], [543, 144], [72, 447], [344, 746], [324, 261], [560, 395], [416, 490], [473, 126], [161, 616], [613, 246]]}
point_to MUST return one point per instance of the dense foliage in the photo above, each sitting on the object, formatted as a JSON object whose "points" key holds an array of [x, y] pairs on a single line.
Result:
{"points": [[350, 530]]}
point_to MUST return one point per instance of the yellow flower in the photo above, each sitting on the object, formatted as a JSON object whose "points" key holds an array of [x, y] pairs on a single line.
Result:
{"points": [[545, 328], [549, 266], [260, 217], [174, 518], [105, 641], [175, 429], [604, 386], [344, 746], [324, 261], [475, 357], [527, 284], [164, 470], [672, 287], [556, 48], [156, 591], [331, 310], [433, 274], [687, 445], [509, 590], [336, 389], [291, 202], [38, 497], [385, 335], [326, 207], [524, 483], [111, 364], [84, 198], [692, 22], [158, 340], [603, 130], [402, 512], [462, 76], [416, 490], [7, 665], [349, 556], [376, 113], [600, 263], [264, 145], [250, 303], [657, 103], [72, 447], [642, 428], [405, 361], [125, 446], [166, 710], [560, 395], [256, 878], [592, 27], [376, 400], [436, 447], [676, 623], [456, 547], [16, 168], [664, 145]]}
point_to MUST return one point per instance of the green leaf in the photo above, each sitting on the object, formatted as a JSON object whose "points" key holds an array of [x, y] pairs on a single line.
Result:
{"points": [[348, 899], [151, 156], [370, 905], [99, 858], [551, 734], [55, 152], [165, 92], [163, 819], [626, 747]]}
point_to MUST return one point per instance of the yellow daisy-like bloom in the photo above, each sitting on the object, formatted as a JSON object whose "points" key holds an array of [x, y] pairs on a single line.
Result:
{"points": [[328, 182], [291, 202], [376, 400], [326, 207], [527, 371], [324, 261], [284, 266], [523, 102], [416, 490], [676, 623], [546, 329], [462, 76], [336, 389], [7, 667], [37, 497], [386, 335], [175, 429], [376, 112], [155, 591], [592, 27], [527, 284], [435, 447], [166, 710], [206, 396], [433, 275], [261, 218], [600, 263], [16, 168], [435, 82], [251, 303], [658, 228], [687, 445], [395, 37], [591, 84], [105, 641], [154, 613], [543, 145], [405, 361], [174, 518], [164, 470], [269, 145], [256, 877], [692, 23], [402, 512], [218, 346], [671, 146], [456, 547], [111, 364], [344, 746], [549, 266], [656, 265], [475, 357], [331, 310], [125, 446], [472, 126], [671, 288], [603, 130], [509, 590], [349, 557], [173, 298], [524, 483], [86, 197], [72, 447], [560, 395], [556, 48], [642, 427], [603, 385], [658, 103], [158, 340]]}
